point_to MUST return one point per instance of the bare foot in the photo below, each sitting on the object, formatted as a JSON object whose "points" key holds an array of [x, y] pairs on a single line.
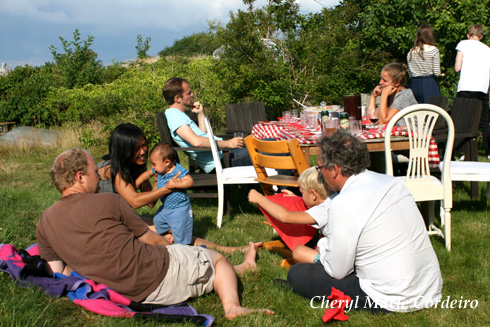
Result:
{"points": [[249, 261], [243, 249], [241, 311]]}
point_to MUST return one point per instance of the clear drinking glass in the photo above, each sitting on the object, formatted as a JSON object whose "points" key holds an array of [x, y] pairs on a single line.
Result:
{"points": [[302, 117], [286, 116], [312, 120], [355, 127], [330, 126], [294, 115]]}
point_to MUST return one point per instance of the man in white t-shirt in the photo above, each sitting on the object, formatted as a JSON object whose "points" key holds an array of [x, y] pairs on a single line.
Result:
{"points": [[186, 133], [376, 248], [473, 61]]}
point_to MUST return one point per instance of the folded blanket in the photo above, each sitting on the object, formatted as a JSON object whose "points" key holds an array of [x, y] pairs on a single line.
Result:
{"points": [[27, 269]]}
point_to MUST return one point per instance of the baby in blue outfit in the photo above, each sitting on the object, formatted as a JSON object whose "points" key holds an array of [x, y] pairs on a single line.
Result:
{"points": [[175, 213]]}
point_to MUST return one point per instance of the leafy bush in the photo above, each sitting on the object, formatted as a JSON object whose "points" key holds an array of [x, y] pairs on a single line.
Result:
{"points": [[78, 66], [22, 93], [197, 44]]}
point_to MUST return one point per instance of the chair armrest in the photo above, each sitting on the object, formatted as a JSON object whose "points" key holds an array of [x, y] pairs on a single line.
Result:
{"points": [[191, 148]]}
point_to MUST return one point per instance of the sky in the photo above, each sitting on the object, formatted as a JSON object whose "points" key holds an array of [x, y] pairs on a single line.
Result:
{"points": [[29, 27]]}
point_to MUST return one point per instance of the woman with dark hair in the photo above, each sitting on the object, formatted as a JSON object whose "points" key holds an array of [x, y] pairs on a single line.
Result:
{"points": [[128, 149], [424, 65], [393, 95]]}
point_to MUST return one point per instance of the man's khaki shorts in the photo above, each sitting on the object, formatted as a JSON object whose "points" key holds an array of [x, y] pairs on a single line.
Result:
{"points": [[190, 274]]}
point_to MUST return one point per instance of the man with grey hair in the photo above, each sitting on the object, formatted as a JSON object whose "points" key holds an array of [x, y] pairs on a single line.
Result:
{"points": [[100, 237], [376, 248]]}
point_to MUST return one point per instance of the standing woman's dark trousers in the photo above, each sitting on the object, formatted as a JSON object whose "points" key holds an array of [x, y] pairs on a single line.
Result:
{"points": [[424, 87]]}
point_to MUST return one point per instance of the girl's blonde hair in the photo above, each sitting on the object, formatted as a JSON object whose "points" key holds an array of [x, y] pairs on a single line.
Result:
{"points": [[310, 179]]}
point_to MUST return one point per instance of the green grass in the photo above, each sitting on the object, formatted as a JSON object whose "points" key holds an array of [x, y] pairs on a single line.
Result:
{"points": [[25, 192]]}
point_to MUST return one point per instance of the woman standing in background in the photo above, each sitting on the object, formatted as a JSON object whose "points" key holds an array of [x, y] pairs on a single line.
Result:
{"points": [[424, 65]]}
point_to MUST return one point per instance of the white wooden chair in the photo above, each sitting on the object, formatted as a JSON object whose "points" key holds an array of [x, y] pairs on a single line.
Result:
{"points": [[420, 120], [227, 176]]}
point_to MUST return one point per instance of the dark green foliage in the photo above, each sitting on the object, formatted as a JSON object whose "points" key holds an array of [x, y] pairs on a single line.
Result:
{"points": [[112, 72], [78, 66], [22, 93], [390, 26], [194, 45]]}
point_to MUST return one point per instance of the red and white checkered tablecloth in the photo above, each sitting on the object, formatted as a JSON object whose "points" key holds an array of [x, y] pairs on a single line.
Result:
{"points": [[281, 131]]}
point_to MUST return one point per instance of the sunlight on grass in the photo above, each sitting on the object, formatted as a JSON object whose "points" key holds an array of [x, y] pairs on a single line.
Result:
{"points": [[26, 191]]}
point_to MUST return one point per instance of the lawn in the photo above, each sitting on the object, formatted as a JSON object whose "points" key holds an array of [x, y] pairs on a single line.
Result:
{"points": [[26, 191]]}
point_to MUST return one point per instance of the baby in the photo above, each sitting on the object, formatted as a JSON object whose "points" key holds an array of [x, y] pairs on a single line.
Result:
{"points": [[317, 199], [175, 213]]}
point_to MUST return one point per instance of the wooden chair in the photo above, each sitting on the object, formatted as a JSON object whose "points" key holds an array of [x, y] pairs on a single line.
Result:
{"points": [[229, 176], [440, 101], [242, 117], [202, 181], [264, 155], [420, 120], [466, 117]]}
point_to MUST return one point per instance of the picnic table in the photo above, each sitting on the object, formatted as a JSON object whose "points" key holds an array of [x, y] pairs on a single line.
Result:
{"points": [[373, 138]]}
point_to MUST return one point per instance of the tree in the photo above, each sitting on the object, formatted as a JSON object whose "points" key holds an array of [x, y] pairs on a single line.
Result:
{"points": [[78, 66], [315, 57], [391, 26], [192, 45], [143, 46]]}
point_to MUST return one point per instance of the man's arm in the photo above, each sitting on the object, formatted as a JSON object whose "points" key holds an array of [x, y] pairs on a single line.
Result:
{"points": [[459, 61], [199, 110], [56, 266], [59, 266], [279, 212], [188, 135], [152, 238]]}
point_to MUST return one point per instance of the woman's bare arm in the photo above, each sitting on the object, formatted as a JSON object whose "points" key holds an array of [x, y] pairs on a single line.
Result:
{"points": [[135, 199]]}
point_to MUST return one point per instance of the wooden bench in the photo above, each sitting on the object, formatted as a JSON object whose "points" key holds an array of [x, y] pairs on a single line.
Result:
{"points": [[5, 127]]}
